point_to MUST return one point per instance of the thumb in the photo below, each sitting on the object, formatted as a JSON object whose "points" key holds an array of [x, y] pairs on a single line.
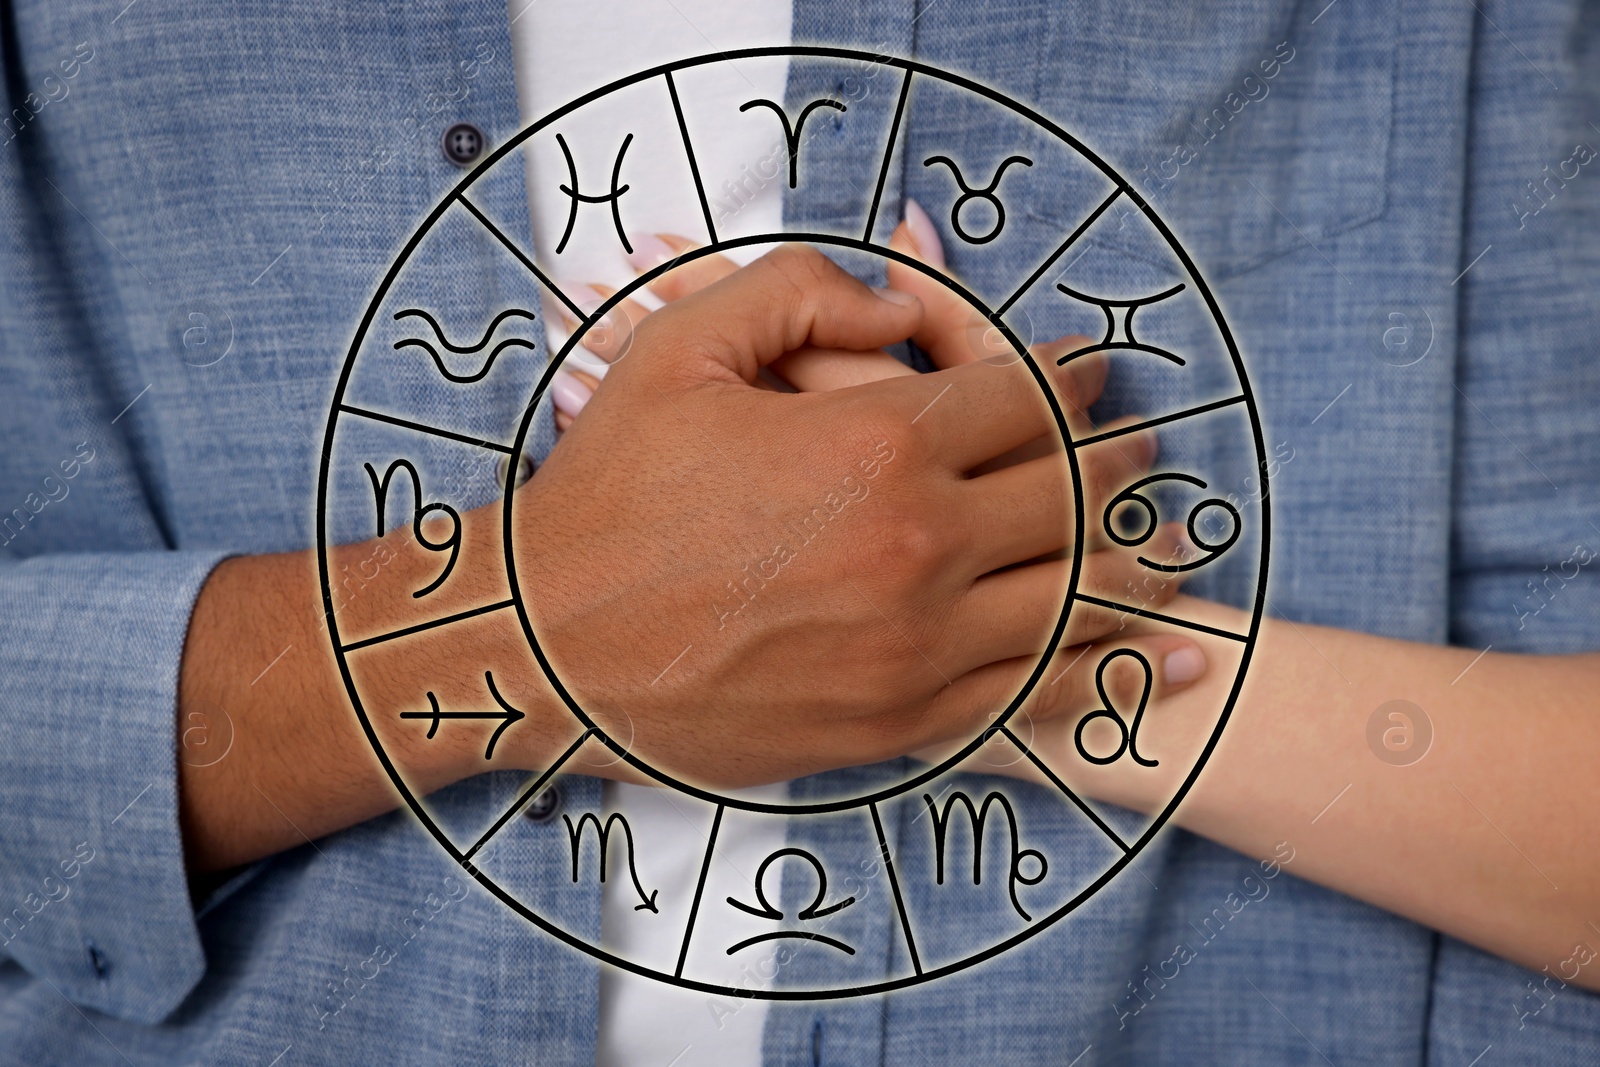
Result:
{"points": [[790, 298], [952, 331]]}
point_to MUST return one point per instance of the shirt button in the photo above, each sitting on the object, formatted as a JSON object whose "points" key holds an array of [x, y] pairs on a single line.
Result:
{"points": [[463, 144], [542, 807]]}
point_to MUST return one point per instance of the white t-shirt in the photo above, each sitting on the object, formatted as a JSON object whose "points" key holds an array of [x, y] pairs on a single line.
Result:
{"points": [[561, 51]]}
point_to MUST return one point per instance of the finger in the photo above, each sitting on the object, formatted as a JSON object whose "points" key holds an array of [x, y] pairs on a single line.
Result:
{"points": [[1007, 614], [610, 337], [685, 278], [1068, 687], [1076, 386], [971, 413], [792, 297], [1116, 576], [1106, 469], [1024, 510], [953, 331], [815, 370], [1012, 612], [1100, 698], [1078, 382], [1018, 513], [1086, 373], [982, 410], [919, 237], [969, 705], [1116, 676], [570, 391]]}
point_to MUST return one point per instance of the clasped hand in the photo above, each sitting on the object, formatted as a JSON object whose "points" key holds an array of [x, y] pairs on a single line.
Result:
{"points": [[766, 584]]}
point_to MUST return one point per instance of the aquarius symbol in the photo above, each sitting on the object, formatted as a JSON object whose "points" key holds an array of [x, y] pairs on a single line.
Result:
{"points": [[380, 490], [977, 815], [791, 137], [814, 910], [464, 379], [1119, 324], [969, 193], [510, 715], [1129, 734], [579, 197], [603, 833]]}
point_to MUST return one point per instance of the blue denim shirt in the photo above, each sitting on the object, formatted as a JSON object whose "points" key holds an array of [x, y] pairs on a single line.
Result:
{"points": [[260, 165]]}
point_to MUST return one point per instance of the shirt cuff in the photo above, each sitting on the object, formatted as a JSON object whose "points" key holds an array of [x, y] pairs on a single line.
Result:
{"points": [[94, 896]]}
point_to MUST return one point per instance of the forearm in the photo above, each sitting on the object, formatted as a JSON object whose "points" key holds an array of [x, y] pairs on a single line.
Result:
{"points": [[259, 674], [1489, 837]]}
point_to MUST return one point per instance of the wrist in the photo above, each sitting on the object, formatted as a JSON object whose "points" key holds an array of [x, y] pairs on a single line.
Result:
{"points": [[424, 683]]}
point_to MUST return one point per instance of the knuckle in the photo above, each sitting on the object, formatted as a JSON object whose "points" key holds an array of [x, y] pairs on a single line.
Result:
{"points": [[1050, 700], [889, 729], [903, 541], [1091, 622], [885, 711], [800, 263], [672, 285], [1077, 380], [1068, 388], [1105, 474], [789, 279]]}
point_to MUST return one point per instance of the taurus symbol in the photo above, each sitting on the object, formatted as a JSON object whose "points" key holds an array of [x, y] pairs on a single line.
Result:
{"points": [[578, 197], [969, 193]]}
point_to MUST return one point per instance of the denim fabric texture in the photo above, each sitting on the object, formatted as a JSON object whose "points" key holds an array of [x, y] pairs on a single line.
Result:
{"points": [[261, 165]]}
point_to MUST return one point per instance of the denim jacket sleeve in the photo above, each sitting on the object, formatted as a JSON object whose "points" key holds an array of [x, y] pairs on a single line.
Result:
{"points": [[92, 874]]}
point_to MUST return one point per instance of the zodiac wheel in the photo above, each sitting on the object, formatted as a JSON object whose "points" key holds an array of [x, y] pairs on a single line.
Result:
{"points": [[891, 859]]}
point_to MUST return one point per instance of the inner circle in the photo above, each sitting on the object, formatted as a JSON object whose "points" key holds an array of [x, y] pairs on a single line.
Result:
{"points": [[996, 721]]}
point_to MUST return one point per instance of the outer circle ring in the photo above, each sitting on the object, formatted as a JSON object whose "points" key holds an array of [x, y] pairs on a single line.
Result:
{"points": [[1043, 922]]}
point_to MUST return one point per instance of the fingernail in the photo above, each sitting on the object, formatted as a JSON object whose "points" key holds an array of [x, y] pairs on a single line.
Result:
{"points": [[923, 235], [583, 297], [895, 296], [581, 358], [649, 251], [569, 394], [1183, 665]]}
